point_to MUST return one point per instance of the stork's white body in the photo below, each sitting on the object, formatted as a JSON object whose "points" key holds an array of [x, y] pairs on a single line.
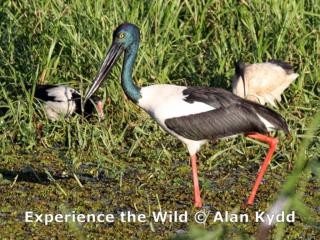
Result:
{"points": [[164, 101]]}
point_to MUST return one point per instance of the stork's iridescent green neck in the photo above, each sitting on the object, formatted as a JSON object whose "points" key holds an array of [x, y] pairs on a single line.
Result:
{"points": [[130, 88], [126, 39]]}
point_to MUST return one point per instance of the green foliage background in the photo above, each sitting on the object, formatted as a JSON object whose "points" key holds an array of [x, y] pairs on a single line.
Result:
{"points": [[126, 162]]}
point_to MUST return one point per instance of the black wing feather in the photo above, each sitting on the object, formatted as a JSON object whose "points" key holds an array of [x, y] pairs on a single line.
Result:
{"points": [[215, 97], [286, 66], [218, 123], [232, 115], [41, 92]]}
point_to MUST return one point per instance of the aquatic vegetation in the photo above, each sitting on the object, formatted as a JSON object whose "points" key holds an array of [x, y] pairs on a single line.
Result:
{"points": [[126, 162]]}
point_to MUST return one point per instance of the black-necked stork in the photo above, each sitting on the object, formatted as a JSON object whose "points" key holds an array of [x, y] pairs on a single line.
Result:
{"points": [[262, 82], [63, 101], [192, 114]]}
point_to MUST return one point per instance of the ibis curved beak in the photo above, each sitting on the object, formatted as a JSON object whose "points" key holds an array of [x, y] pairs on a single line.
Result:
{"points": [[113, 54]]}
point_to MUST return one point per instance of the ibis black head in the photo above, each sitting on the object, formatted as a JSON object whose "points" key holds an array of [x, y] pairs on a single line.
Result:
{"points": [[94, 104], [239, 68], [125, 36]]}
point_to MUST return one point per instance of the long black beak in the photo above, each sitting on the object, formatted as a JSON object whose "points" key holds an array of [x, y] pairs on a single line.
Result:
{"points": [[113, 54]]}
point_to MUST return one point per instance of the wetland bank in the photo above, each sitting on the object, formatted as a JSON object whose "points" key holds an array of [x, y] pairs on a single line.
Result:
{"points": [[126, 163]]}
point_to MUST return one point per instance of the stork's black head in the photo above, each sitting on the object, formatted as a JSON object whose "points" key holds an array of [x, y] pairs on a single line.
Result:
{"points": [[124, 36]]}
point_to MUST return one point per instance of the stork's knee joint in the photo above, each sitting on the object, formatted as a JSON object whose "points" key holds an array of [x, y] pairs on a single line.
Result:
{"points": [[274, 142]]}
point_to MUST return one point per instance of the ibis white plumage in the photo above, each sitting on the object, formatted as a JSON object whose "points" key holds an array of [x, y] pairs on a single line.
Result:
{"points": [[62, 101], [262, 82], [194, 115]]}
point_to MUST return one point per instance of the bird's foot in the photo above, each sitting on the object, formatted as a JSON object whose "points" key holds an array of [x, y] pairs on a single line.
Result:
{"points": [[250, 201], [198, 204], [246, 205]]}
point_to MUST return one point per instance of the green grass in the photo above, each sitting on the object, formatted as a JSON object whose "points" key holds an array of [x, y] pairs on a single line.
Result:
{"points": [[126, 162]]}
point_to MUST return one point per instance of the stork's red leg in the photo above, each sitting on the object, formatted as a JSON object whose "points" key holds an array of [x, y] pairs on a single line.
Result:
{"points": [[197, 198], [273, 144]]}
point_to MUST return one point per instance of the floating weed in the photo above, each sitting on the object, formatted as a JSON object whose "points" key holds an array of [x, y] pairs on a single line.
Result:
{"points": [[119, 162], [50, 177]]}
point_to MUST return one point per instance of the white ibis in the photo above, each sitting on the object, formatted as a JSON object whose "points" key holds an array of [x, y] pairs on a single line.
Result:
{"points": [[262, 82], [192, 114], [64, 101]]}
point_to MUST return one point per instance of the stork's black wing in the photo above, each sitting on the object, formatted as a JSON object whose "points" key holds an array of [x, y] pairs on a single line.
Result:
{"points": [[232, 115], [218, 123], [215, 97]]}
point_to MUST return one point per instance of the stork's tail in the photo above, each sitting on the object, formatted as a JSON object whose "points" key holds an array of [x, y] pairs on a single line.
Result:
{"points": [[278, 122]]}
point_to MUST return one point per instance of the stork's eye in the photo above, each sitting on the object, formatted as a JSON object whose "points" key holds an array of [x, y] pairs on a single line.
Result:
{"points": [[121, 35]]}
